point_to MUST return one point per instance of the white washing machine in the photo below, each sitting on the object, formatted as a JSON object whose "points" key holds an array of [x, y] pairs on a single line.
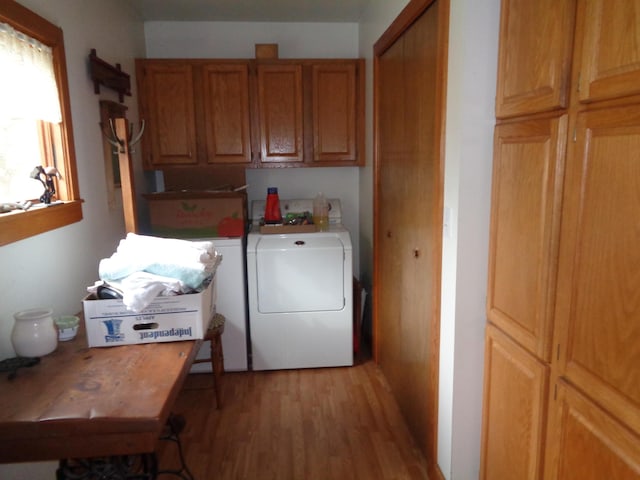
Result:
{"points": [[230, 302], [300, 293]]}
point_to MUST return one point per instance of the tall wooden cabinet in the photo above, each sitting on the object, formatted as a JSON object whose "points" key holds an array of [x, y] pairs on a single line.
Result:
{"points": [[562, 371]]}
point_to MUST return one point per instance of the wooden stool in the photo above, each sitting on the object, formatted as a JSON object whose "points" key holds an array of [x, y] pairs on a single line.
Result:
{"points": [[214, 335]]}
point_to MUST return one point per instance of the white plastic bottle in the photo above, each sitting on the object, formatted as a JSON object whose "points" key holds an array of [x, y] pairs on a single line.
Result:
{"points": [[321, 212]]}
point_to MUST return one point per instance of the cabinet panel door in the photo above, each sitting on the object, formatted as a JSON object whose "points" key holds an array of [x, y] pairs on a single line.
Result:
{"points": [[170, 113], [514, 410], [280, 111], [587, 443], [525, 212], [334, 112], [610, 59], [226, 109], [598, 299], [534, 57]]}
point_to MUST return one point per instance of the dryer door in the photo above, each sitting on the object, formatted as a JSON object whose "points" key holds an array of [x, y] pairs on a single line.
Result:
{"points": [[300, 274]]}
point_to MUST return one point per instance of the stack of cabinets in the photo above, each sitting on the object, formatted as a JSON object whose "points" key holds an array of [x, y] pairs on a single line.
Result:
{"points": [[276, 113], [562, 357]]}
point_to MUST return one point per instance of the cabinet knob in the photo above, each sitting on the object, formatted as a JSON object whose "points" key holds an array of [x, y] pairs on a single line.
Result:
{"points": [[416, 253], [389, 234]]}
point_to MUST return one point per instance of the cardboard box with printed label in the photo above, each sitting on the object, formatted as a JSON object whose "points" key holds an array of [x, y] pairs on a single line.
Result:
{"points": [[108, 323], [197, 214]]}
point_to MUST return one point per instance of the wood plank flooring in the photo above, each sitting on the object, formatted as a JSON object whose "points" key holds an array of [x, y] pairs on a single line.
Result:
{"points": [[324, 424]]}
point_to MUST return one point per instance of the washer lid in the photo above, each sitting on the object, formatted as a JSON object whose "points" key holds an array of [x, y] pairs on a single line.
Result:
{"points": [[300, 273]]}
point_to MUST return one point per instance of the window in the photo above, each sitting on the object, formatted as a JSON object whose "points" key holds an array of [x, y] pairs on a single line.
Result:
{"points": [[52, 141]]}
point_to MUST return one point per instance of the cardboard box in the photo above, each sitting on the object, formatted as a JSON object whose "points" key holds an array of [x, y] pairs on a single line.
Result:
{"points": [[197, 214], [108, 323]]}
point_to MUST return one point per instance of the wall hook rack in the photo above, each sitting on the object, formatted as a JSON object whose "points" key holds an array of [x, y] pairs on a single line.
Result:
{"points": [[111, 77], [118, 143]]}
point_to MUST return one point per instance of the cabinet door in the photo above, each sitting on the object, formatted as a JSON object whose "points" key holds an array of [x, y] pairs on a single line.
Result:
{"points": [[525, 212], [335, 134], [587, 443], [598, 308], [226, 110], [609, 63], [169, 113], [280, 112], [514, 410], [534, 57]]}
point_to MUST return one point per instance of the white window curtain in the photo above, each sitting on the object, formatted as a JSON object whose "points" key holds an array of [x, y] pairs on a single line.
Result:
{"points": [[28, 87]]}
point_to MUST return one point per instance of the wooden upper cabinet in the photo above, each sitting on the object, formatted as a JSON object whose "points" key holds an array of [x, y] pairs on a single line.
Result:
{"points": [[587, 443], [525, 217], [598, 308], [335, 99], [275, 113], [513, 423], [534, 58], [608, 36], [226, 111], [167, 105], [280, 112]]}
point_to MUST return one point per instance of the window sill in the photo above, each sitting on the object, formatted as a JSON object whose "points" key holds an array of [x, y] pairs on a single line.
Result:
{"points": [[19, 225]]}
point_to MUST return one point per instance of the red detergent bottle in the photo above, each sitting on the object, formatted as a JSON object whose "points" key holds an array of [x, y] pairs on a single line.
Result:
{"points": [[272, 214]]}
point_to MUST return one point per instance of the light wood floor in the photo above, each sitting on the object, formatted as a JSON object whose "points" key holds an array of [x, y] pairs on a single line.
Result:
{"points": [[324, 424]]}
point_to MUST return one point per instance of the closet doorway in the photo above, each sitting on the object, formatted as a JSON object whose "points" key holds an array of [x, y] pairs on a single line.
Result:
{"points": [[409, 97]]}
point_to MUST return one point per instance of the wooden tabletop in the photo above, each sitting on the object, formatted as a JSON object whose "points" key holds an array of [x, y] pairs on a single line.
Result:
{"points": [[86, 402]]}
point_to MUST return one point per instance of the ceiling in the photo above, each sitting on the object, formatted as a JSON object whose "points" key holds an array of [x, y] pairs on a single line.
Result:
{"points": [[251, 10]]}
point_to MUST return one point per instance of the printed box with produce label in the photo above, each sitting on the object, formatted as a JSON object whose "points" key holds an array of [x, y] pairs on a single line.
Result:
{"points": [[197, 214], [108, 323]]}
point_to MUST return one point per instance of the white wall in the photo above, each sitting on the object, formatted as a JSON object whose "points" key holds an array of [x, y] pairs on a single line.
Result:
{"points": [[295, 40], [53, 269], [473, 40]]}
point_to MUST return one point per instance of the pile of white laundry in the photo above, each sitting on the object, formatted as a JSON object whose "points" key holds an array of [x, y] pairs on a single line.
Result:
{"points": [[144, 267]]}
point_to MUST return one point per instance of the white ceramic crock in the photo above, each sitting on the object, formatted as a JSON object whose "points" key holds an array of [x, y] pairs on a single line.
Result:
{"points": [[34, 334]]}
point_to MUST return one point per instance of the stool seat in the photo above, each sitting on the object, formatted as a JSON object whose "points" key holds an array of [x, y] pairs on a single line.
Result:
{"points": [[213, 335]]}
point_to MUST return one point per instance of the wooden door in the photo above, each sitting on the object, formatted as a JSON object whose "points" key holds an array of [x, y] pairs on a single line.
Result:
{"points": [[525, 217], [227, 114], [168, 108], [608, 55], [280, 113], [534, 58], [513, 425], [598, 307], [408, 218], [335, 126]]}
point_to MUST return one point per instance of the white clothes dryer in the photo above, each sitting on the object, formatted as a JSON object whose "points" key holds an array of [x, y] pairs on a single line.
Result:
{"points": [[300, 293]]}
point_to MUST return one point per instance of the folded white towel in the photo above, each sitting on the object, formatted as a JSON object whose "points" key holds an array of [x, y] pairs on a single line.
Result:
{"points": [[189, 262]]}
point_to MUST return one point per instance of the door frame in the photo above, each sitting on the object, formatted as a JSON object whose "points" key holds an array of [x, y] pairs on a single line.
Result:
{"points": [[405, 19]]}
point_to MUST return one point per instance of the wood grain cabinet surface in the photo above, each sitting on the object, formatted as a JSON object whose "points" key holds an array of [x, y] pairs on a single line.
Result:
{"points": [[534, 58], [513, 424], [271, 113], [525, 217], [564, 259], [607, 50], [169, 111]]}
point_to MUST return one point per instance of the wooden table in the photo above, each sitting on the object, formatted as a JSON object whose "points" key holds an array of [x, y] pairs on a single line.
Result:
{"points": [[90, 402]]}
